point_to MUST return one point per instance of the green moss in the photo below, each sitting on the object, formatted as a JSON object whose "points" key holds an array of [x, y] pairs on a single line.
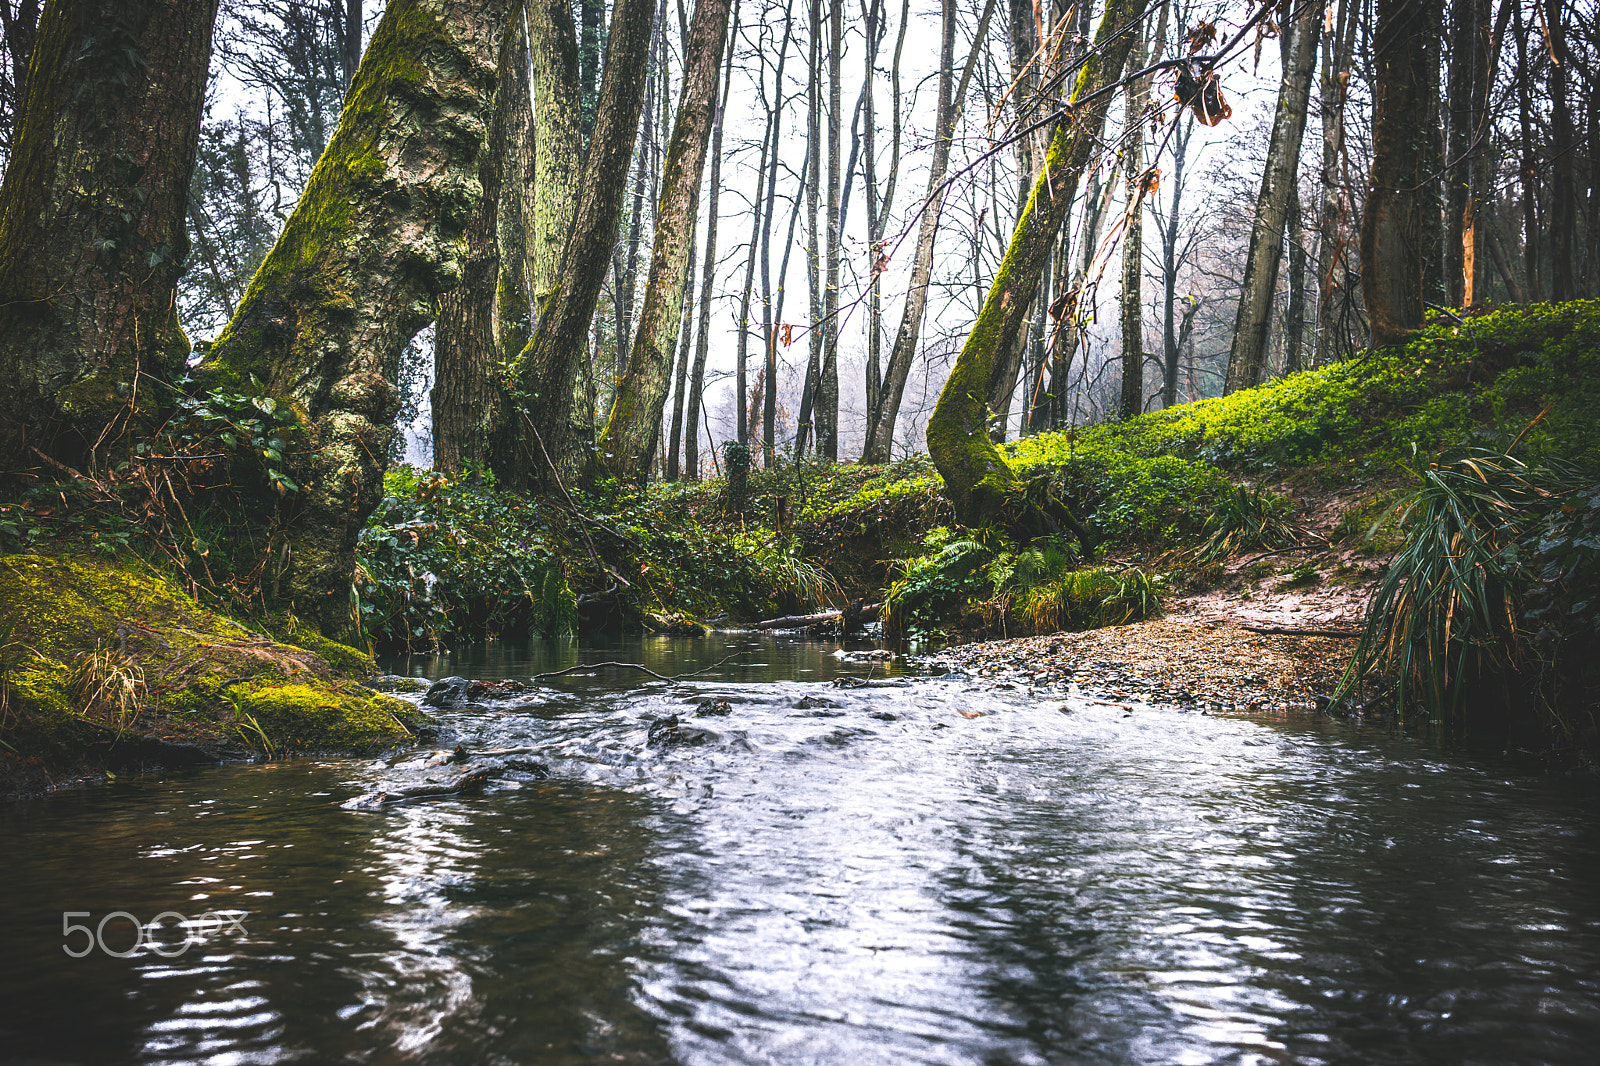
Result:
{"points": [[195, 669], [343, 659], [300, 718]]}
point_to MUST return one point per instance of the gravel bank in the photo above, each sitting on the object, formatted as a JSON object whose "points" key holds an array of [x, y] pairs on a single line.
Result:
{"points": [[1194, 663]]}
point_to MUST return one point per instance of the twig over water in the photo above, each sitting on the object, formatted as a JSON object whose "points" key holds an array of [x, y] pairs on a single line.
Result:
{"points": [[634, 666]]}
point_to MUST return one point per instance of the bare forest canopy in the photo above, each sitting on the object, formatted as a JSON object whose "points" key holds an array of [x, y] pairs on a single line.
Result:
{"points": [[568, 242]]}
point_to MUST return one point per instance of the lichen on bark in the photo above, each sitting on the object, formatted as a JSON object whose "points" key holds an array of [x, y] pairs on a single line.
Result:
{"points": [[377, 238]]}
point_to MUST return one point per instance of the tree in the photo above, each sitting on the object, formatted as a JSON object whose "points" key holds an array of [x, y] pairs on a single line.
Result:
{"points": [[558, 159], [977, 478], [881, 417], [299, 53], [827, 390], [538, 440], [702, 344], [93, 213], [629, 440], [1135, 183], [491, 298], [1333, 296], [378, 235], [1247, 361], [1404, 117]]}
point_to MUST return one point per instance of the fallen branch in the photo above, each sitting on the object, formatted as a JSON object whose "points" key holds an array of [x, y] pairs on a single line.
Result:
{"points": [[591, 667], [1299, 631], [801, 621]]}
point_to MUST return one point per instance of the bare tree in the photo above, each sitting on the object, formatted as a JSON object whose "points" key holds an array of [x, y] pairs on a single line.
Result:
{"points": [[628, 442], [1247, 362]]}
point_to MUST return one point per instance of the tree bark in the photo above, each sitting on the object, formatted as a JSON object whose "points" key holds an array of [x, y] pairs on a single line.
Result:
{"points": [[1294, 318], [544, 376], [558, 142], [628, 441], [808, 393], [93, 217], [1247, 361], [472, 317], [1393, 230], [976, 476], [1469, 44], [827, 392], [1563, 209], [1333, 303], [702, 344], [378, 236], [350, 56], [1131, 401]]}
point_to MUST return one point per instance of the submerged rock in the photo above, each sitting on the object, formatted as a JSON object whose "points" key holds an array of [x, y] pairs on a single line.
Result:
{"points": [[495, 690], [399, 683], [447, 693]]}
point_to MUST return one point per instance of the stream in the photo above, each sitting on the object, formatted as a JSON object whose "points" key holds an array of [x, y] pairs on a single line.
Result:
{"points": [[922, 870]]}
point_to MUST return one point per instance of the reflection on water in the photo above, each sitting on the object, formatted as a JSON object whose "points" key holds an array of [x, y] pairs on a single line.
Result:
{"points": [[824, 876]]}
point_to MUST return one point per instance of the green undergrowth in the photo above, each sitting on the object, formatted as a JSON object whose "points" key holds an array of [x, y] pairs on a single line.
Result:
{"points": [[106, 662], [1152, 480], [1187, 485], [979, 581], [445, 560]]}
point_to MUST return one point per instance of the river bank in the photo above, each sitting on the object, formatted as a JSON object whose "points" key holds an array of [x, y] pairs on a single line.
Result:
{"points": [[1190, 662]]}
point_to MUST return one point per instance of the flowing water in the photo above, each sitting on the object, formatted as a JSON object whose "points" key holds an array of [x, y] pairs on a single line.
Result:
{"points": [[926, 872]]}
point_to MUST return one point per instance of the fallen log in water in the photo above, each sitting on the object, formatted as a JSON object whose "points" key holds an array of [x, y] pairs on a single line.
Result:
{"points": [[868, 613]]}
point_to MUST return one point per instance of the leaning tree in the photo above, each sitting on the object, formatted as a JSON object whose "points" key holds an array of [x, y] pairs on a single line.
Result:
{"points": [[378, 236]]}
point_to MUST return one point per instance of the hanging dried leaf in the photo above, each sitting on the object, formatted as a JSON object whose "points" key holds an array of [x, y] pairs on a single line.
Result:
{"points": [[1064, 305], [786, 334], [1202, 93], [1201, 37]]}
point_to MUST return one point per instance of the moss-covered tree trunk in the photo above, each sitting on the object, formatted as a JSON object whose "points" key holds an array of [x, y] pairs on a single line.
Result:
{"points": [[976, 476], [628, 443], [558, 156], [491, 299], [1405, 45], [540, 443], [378, 236], [92, 220]]}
